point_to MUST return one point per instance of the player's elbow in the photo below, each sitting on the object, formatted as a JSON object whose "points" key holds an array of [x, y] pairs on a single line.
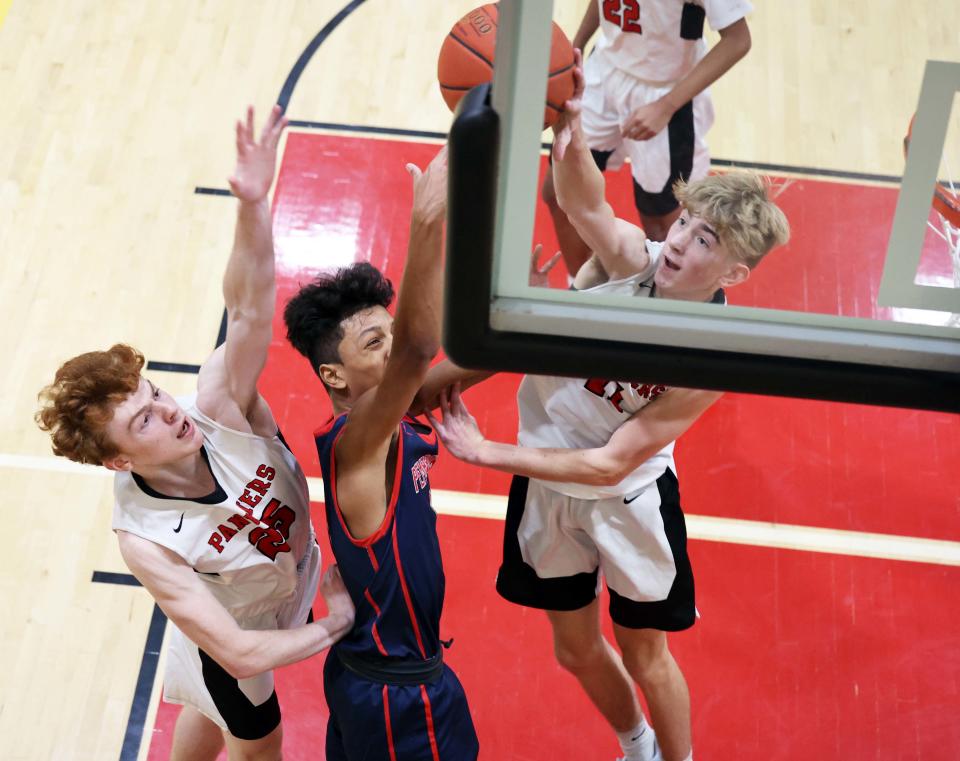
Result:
{"points": [[606, 470], [745, 43], [242, 658], [738, 38]]}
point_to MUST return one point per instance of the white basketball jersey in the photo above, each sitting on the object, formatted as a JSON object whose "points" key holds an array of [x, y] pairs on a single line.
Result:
{"points": [[569, 413], [251, 540], [650, 39]]}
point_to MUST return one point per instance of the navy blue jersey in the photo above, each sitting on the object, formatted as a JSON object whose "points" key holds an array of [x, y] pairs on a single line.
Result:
{"points": [[395, 576]]}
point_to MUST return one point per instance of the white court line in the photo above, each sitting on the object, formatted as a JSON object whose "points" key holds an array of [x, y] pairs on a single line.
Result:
{"points": [[707, 528]]}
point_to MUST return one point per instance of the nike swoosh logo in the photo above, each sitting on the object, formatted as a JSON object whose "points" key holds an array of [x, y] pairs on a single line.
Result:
{"points": [[179, 525], [628, 501]]}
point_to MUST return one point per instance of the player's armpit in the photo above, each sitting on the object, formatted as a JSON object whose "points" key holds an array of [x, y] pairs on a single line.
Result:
{"points": [[651, 428], [215, 400]]}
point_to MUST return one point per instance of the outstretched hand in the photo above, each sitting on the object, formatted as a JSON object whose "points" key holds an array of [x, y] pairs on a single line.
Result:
{"points": [[568, 121], [256, 159], [457, 430], [540, 276], [430, 188]]}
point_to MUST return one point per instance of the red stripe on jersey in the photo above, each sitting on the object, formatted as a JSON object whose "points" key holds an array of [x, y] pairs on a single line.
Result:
{"points": [[428, 712], [376, 609], [386, 719], [388, 516], [373, 559], [406, 596], [430, 438], [323, 429]]}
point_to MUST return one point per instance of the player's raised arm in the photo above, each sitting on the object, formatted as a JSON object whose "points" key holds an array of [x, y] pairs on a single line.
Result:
{"points": [[416, 330], [581, 193], [249, 288], [639, 438], [187, 601]]}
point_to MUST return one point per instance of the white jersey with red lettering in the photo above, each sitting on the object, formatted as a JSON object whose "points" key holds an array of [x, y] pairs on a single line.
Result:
{"points": [[659, 40], [250, 541], [247, 538], [571, 413]]}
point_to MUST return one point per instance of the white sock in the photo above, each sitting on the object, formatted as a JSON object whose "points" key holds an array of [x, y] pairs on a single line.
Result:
{"points": [[638, 743]]}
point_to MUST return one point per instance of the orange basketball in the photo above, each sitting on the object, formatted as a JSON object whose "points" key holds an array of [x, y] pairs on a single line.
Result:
{"points": [[466, 60]]}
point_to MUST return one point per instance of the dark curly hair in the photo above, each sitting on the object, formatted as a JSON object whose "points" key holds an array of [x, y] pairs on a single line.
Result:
{"points": [[314, 317], [77, 406]]}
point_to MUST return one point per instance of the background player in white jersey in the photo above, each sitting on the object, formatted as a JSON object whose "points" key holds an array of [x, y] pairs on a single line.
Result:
{"points": [[595, 488], [647, 99], [212, 510]]}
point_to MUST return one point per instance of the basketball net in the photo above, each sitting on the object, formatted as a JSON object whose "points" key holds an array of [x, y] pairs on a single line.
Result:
{"points": [[945, 222]]}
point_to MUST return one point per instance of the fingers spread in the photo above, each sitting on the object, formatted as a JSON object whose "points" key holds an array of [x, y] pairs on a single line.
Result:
{"points": [[551, 263]]}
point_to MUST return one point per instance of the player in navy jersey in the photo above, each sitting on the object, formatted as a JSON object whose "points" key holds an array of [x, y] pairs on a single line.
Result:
{"points": [[390, 695]]}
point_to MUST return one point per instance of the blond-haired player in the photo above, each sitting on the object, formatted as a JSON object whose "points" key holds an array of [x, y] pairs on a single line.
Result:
{"points": [[595, 488]]}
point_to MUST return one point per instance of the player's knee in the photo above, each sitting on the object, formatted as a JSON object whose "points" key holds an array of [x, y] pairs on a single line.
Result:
{"points": [[579, 655], [267, 748], [647, 659]]}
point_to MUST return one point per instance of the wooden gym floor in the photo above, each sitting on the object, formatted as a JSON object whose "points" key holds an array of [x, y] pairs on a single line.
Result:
{"points": [[824, 536]]}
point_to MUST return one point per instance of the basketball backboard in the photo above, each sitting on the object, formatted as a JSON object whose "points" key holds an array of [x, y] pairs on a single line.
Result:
{"points": [[818, 321]]}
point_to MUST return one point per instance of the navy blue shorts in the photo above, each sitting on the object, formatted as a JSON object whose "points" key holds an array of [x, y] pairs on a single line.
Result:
{"points": [[370, 721]]}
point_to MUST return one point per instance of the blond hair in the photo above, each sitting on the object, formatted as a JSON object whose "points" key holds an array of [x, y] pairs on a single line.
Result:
{"points": [[77, 406], [737, 205]]}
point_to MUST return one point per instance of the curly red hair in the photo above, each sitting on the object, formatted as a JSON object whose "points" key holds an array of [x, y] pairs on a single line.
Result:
{"points": [[77, 406]]}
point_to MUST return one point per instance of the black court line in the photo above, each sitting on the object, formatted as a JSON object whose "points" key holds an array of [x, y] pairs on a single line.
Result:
{"points": [[730, 163], [137, 719], [369, 130], [107, 577], [286, 92], [173, 367], [839, 174], [133, 737]]}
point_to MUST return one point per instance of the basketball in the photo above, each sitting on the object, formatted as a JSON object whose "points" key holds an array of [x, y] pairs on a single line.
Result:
{"points": [[466, 60]]}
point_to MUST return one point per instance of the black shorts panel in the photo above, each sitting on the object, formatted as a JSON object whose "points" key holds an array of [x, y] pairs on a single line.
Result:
{"points": [[244, 720], [678, 611], [600, 158], [518, 583], [680, 130]]}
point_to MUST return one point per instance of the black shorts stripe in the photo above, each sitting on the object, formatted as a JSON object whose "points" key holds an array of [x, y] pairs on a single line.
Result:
{"points": [[682, 139], [678, 611], [518, 583], [244, 720]]}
